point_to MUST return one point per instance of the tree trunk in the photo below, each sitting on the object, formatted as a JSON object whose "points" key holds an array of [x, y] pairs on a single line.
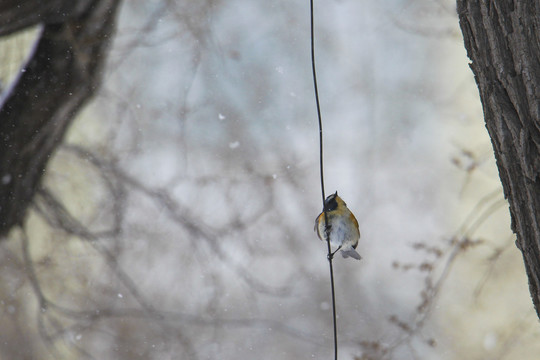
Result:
{"points": [[502, 38], [62, 74]]}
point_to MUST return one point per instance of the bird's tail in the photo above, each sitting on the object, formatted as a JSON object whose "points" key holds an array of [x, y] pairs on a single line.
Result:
{"points": [[352, 253]]}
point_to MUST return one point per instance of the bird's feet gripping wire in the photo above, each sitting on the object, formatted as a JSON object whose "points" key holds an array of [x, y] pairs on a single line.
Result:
{"points": [[331, 255]]}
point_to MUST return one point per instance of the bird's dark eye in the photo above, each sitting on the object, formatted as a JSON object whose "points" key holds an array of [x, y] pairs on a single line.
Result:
{"points": [[331, 203]]}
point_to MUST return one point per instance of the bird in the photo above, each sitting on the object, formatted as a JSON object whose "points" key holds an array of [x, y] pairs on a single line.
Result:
{"points": [[343, 227]]}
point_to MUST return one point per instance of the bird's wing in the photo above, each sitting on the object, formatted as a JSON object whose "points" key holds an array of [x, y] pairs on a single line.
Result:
{"points": [[355, 222], [317, 220]]}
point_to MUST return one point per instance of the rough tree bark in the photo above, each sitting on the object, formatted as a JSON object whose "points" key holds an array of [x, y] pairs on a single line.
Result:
{"points": [[502, 38], [62, 74]]}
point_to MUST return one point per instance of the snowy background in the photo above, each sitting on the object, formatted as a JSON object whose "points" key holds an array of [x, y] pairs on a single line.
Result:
{"points": [[195, 171]]}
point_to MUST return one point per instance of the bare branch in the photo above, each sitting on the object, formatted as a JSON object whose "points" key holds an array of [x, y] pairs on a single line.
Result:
{"points": [[63, 73]]}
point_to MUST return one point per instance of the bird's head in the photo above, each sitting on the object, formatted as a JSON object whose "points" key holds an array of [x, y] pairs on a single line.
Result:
{"points": [[333, 201]]}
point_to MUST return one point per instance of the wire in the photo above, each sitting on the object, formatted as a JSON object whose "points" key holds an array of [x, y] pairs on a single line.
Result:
{"points": [[321, 163]]}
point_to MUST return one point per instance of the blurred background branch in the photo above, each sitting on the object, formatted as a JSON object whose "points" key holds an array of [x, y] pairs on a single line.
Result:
{"points": [[62, 72]]}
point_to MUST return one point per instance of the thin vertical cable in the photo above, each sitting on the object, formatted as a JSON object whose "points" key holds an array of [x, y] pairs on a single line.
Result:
{"points": [[321, 162]]}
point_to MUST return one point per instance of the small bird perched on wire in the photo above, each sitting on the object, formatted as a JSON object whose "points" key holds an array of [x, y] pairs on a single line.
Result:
{"points": [[342, 226]]}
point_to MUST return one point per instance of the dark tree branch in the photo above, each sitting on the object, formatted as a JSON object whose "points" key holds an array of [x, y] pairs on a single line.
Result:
{"points": [[62, 74], [502, 38], [16, 15]]}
